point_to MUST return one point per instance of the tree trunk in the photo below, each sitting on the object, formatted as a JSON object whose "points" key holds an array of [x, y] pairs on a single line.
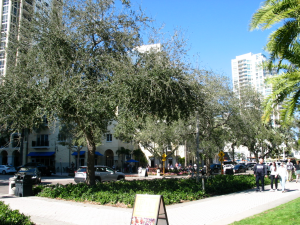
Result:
{"points": [[90, 180], [232, 149], [207, 167]]}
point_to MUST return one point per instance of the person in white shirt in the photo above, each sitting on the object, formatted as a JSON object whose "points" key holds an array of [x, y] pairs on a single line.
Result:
{"points": [[274, 176], [283, 173]]}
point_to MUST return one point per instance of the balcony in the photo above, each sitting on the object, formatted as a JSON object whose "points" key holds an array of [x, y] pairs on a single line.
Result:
{"points": [[40, 144], [29, 2]]}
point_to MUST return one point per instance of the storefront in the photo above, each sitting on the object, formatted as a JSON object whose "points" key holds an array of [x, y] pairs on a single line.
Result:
{"points": [[46, 158]]}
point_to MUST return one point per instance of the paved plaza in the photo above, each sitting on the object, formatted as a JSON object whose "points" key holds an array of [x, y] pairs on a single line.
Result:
{"points": [[223, 209]]}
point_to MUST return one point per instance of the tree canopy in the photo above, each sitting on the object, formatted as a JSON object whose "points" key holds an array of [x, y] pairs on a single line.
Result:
{"points": [[78, 67]]}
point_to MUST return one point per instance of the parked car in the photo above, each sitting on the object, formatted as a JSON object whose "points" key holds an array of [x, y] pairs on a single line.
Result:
{"points": [[4, 169], [34, 172], [45, 170], [239, 168], [102, 173], [215, 168], [250, 165]]}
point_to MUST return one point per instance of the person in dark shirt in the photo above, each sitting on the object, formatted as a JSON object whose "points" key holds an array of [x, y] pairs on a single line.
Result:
{"points": [[260, 171]]}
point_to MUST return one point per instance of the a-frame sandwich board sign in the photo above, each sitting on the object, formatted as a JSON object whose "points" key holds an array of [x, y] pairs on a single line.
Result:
{"points": [[149, 210]]}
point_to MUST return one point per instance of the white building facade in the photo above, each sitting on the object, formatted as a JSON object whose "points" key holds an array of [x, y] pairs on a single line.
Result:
{"points": [[12, 12], [247, 71]]}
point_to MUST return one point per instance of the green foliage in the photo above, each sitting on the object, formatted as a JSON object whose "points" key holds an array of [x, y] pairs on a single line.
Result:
{"points": [[173, 190], [12, 217], [80, 69], [283, 46], [286, 36]]}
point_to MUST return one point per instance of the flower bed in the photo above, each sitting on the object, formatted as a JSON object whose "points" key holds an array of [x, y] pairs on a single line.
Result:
{"points": [[170, 174]]}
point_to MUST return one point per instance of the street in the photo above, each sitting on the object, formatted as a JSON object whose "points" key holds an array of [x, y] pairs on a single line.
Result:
{"points": [[4, 179]]}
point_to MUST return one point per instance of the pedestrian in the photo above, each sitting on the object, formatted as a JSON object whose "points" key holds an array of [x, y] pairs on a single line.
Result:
{"points": [[274, 176], [297, 170], [260, 171], [194, 169], [130, 168], [290, 168], [283, 174]]}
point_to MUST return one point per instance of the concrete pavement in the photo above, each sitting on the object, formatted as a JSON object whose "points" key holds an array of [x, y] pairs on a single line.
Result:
{"points": [[223, 209]]}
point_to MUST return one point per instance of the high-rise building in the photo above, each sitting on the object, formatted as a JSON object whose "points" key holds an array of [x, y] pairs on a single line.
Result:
{"points": [[12, 12], [247, 71]]}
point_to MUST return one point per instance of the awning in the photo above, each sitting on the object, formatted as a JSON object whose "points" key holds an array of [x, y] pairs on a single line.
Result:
{"points": [[98, 153], [41, 153], [81, 153]]}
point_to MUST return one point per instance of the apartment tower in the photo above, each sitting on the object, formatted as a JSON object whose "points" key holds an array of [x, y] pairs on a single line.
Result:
{"points": [[12, 13]]}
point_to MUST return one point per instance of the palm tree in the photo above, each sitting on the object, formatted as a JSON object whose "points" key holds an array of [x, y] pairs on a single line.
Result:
{"points": [[282, 45], [285, 87], [285, 37]]}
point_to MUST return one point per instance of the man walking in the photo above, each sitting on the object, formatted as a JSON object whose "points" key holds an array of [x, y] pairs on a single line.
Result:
{"points": [[260, 171], [290, 167]]}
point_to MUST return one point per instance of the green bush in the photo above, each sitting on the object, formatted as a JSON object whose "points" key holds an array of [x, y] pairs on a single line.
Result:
{"points": [[12, 217], [174, 190]]}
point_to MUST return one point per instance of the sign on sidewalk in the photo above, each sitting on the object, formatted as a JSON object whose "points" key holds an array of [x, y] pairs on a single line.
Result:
{"points": [[149, 209]]}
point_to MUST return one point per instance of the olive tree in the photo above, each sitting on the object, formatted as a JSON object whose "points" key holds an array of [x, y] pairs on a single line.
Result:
{"points": [[75, 63]]}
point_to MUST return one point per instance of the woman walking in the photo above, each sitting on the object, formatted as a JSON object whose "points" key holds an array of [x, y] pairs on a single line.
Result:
{"points": [[283, 173], [297, 170], [274, 176]]}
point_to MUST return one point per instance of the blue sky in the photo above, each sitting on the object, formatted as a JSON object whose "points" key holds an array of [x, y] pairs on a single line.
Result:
{"points": [[216, 30]]}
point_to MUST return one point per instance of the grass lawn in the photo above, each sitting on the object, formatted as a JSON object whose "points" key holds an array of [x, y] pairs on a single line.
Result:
{"points": [[288, 213]]}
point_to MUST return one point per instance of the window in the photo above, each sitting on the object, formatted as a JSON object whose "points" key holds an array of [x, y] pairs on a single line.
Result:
{"points": [[61, 137], [108, 137], [5, 10], [4, 18], [2, 45], [2, 64], [4, 27], [41, 140]]}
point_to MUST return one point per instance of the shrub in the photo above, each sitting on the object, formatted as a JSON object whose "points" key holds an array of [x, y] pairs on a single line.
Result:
{"points": [[174, 190], [12, 217]]}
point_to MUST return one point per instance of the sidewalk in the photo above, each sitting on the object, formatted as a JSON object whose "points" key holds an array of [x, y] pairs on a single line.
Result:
{"points": [[215, 210]]}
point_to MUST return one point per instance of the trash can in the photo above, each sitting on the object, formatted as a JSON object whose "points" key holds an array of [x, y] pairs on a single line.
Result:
{"points": [[23, 186], [158, 172], [11, 185]]}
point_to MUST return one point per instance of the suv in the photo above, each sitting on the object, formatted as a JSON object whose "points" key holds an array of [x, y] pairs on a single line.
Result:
{"points": [[102, 173], [45, 170]]}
